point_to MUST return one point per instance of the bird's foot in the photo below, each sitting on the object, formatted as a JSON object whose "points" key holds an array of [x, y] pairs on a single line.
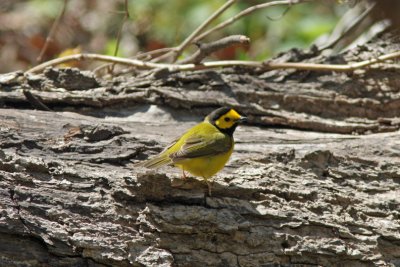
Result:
{"points": [[184, 175]]}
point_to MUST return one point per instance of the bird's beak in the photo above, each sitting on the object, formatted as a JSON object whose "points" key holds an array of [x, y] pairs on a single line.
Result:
{"points": [[242, 119]]}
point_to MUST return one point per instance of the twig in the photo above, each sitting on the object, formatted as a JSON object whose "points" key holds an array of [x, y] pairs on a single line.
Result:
{"points": [[177, 51], [146, 56], [153, 53], [281, 15], [141, 56], [336, 37], [247, 12], [209, 48], [126, 17], [110, 59], [52, 32], [216, 64], [332, 67]]}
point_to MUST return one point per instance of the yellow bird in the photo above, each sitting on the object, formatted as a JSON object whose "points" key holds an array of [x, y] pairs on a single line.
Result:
{"points": [[205, 148]]}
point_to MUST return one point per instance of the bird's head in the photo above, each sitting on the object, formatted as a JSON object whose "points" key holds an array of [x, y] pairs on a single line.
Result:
{"points": [[225, 119]]}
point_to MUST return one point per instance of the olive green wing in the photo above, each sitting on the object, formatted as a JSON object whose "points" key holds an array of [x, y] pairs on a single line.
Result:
{"points": [[200, 146], [159, 160]]}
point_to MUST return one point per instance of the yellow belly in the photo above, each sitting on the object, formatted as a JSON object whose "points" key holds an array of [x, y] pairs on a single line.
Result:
{"points": [[205, 166]]}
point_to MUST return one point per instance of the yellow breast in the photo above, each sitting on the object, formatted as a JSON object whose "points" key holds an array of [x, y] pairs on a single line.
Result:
{"points": [[205, 166]]}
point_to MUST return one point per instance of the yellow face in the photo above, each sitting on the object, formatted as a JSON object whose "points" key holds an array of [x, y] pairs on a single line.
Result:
{"points": [[228, 119]]}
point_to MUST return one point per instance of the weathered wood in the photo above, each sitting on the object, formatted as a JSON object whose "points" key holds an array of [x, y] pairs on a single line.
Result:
{"points": [[71, 196], [287, 197], [362, 102]]}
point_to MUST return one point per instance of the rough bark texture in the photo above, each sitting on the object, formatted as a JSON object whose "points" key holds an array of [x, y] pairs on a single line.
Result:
{"points": [[70, 195]]}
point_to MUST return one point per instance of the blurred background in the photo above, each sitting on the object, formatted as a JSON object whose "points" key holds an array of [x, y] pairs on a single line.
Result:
{"points": [[93, 25]]}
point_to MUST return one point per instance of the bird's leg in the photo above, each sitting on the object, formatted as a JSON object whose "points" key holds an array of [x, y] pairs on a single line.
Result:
{"points": [[209, 185], [183, 174]]}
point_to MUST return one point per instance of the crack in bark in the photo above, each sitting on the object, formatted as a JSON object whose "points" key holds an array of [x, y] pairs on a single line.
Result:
{"points": [[18, 209]]}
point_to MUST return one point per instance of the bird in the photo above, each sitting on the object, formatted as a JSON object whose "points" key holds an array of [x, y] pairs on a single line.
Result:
{"points": [[204, 149]]}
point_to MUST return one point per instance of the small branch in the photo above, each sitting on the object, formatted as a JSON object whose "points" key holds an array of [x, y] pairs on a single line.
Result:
{"points": [[177, 51], [209, 48], [146, 56], [151, 54], [110, 59], [332, 67], [349, 27], [247, 12], [217, 64], [126, 17], [50, 36], [281, 15]]}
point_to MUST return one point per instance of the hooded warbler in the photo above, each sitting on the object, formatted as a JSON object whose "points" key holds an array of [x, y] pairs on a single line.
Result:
{"points": [[205, 148]]}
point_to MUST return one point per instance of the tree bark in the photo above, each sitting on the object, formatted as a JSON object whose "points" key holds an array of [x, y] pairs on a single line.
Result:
{"points": [[70, 194]]}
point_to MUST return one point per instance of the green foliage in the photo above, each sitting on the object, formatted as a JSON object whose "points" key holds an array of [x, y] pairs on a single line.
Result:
{"points": [[45, 8], [153, 24], [271, 30]]}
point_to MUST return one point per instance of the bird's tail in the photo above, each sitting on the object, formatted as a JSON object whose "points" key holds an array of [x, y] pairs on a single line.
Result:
{"points": [[156, 162]]}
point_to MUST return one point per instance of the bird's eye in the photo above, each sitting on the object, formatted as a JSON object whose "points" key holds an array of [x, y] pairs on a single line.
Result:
{"points": [[227, 119]]}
